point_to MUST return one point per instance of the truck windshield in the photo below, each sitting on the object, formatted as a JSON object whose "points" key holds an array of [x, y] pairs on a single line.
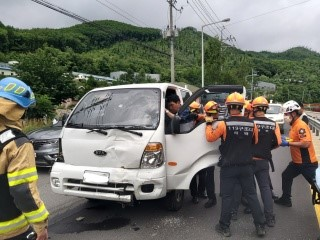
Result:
{"points": [[128, 108]]}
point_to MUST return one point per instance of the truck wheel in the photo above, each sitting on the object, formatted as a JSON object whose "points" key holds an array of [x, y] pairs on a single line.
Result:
{"points": [[174, 200]]}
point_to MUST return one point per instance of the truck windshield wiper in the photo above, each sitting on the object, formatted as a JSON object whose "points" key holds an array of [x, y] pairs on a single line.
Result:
{"points": [[125, 129], [98, 131], [78, 125]]}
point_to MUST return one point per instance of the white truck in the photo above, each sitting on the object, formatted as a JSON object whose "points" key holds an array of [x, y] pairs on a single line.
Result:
{"points": [[113, 146]]}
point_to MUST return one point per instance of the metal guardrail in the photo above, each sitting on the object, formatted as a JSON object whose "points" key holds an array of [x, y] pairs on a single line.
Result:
{"points": [[314, 123]]}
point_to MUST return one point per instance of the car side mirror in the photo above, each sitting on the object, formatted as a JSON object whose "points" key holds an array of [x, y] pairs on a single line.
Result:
{"points": [[175, 125]]}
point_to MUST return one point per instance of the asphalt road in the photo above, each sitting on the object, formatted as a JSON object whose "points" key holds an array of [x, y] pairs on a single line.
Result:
{"points": [[75, 218]]}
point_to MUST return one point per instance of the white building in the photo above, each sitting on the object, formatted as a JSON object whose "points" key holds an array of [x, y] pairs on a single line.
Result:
{"points": [[84, 77], [6, 70], [265, 86], [117, 75], [155, 77]]}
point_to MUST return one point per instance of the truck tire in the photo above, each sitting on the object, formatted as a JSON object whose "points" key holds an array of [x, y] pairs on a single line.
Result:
{"points": [[174, 200]]}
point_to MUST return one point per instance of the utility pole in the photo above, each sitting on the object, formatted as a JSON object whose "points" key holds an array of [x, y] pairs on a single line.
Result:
{"points": [[171, 42], [172, 34]]}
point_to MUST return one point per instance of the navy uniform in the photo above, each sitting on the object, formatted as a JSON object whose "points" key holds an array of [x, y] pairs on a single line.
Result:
{"points": [[238, 135], [269, 138]]}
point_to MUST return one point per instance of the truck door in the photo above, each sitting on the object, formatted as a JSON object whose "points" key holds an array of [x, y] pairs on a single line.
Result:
{"points": [[189, 152]]}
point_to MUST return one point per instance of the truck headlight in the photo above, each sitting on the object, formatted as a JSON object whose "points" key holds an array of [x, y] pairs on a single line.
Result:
{"points": [[152, 156]]}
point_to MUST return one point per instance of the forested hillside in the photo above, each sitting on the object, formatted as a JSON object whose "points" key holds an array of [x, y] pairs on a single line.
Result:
{"points": [[100, 47]]}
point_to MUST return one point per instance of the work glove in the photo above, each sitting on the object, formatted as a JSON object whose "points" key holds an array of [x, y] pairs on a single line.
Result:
{"points": [[209, 119], [284, 142]]}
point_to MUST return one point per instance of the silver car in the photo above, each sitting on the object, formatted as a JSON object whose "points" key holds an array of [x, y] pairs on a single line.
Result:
{"points": [[46, 144]]}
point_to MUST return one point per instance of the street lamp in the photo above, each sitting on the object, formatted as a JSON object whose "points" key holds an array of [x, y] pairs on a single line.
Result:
{"points": [[202, 48]]}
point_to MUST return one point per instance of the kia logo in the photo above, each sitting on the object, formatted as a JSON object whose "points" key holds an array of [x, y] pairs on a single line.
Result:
{"points": [[100, 153]]}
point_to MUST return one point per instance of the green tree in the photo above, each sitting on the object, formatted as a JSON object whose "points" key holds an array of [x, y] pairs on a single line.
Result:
{"points": [[46, 72], [212, 62], [43, 108]]}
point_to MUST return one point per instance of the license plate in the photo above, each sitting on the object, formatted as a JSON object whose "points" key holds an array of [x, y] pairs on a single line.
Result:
{"points": [[96, 177]]}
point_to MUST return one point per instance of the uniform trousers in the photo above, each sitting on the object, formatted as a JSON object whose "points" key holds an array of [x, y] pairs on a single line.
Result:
{"points": [[205, 182], [229, 177], [261, 172], [308, 170]]}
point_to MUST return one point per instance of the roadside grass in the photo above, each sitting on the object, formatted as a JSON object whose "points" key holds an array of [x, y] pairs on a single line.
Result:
{"points": [[34, 124]]}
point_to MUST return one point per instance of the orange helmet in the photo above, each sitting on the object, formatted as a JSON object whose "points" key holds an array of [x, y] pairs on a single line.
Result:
{"points": [[194, 106], [211, 107], [260, 102], [247, 105], [235, 99]]}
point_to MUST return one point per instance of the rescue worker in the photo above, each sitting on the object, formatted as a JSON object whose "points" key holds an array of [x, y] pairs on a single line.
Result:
{"points": [[211, 110], [238, 194], [304, 160], [248, 109], [22, 212], [195, 108], [198, 182], [269, 138], [238, 135]]}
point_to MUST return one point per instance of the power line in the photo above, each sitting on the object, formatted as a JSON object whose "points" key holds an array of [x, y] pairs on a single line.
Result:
{"points": [[206, 20], [134, 22], [230, 38], [269, 12], [84, 20]]}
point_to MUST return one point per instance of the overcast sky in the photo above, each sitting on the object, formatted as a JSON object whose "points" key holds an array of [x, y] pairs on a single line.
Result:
{"points": [[258, 25]]}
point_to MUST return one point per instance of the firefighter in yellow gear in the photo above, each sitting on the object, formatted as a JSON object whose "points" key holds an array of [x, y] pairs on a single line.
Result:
{"points": [[22, 212]]}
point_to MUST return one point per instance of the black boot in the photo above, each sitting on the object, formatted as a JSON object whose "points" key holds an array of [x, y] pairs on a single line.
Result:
{"points": [[203, 195], [211, 202], [270, 221], [224, 231], [284, 201], [260, 230], [195, 200]]}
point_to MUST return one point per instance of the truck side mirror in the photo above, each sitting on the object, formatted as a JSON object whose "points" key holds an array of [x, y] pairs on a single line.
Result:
{"points": [[175, 125], [64, 118]]}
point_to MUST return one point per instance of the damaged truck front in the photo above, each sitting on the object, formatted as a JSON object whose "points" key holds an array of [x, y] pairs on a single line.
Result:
{"points": [[113, 147]]}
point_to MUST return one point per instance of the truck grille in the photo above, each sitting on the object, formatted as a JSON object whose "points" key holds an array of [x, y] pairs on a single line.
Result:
{"points": [[78, 185]]}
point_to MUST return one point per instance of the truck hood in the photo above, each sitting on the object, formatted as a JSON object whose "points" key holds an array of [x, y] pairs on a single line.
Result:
{"points": [[117, 149]]}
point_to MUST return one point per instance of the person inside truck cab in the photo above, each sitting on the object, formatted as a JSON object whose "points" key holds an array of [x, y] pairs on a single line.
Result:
{"points": [[173, 105]]}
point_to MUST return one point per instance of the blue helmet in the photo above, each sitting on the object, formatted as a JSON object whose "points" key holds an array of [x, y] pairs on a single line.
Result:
{"points": [[17, 91]]}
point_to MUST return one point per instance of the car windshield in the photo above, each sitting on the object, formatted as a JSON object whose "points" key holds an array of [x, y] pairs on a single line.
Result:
{"points": [[118, 108], [273, 109]]}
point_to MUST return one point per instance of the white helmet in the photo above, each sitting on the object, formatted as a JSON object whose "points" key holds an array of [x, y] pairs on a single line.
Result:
{"points": [[290, 106]]}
